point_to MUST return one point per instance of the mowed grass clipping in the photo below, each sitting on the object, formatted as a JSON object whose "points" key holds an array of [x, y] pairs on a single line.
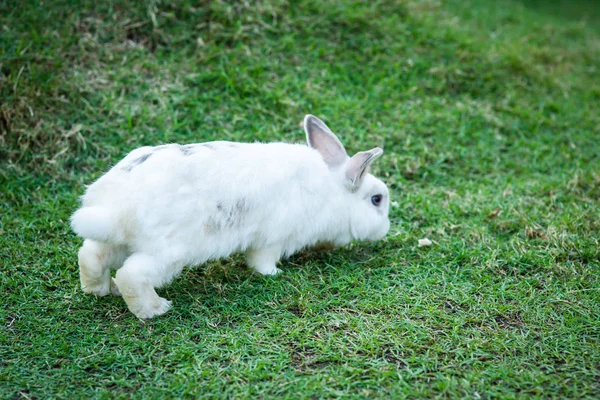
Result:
{"points": [[489, 114]]}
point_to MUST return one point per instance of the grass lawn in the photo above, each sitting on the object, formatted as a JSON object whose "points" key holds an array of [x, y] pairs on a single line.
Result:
{"points": [[489, 114]]}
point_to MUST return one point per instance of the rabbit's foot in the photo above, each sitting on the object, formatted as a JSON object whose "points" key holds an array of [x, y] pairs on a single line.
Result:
{"points": [[93, 275], [95, 261], [136, 281], [97, 290], [268, 270], [264, 260], [148, 308]]}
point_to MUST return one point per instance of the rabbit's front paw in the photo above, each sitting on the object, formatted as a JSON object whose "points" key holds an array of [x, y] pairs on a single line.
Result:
{"points": [[264, 260], [268, 270]]}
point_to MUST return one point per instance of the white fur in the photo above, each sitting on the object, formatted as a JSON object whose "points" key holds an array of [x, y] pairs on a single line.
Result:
{"points": [[163, 208]]}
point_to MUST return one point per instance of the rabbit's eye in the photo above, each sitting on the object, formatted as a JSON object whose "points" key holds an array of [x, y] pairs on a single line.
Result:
{"points": [[376, 200]]}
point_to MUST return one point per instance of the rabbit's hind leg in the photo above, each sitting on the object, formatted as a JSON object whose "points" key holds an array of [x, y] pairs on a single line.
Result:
{"points": [[95, 261], [136, 281]]}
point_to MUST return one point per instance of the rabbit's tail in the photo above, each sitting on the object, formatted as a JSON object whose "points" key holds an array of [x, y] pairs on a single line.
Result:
{"points": [[98, 224]]}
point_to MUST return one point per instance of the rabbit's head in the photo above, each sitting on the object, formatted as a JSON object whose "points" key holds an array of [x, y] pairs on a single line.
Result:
{"points": [[367, 197]]}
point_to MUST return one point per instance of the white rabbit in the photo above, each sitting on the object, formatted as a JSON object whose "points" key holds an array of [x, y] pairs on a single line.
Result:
{"points": [[165, 207]]}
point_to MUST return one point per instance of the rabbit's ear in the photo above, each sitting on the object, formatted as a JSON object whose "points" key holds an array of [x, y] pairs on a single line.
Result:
{"points": [[357, 166], [320, 137]]}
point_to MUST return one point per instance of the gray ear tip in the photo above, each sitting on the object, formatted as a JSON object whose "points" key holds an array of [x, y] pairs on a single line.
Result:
{"points": [[307, 120], [378, 151], [310, 119]]}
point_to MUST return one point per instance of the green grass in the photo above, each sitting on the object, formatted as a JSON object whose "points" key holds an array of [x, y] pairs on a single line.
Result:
{"points": [[489, 113]]}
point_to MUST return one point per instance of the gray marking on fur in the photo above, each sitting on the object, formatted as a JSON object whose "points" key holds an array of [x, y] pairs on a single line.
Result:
{"points": [[227, 216], [162, 147], [187, 149], [137, 162], [236, 214]]}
